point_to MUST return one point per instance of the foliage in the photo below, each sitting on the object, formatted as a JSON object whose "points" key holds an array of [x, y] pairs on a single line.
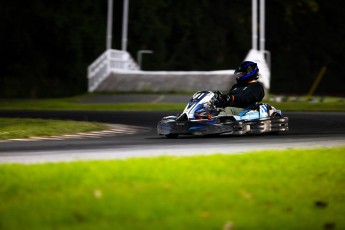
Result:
{"points": [[304, 36], [47, 45]]}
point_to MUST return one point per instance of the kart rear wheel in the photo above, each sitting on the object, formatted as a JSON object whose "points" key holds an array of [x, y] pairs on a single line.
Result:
{"points": [[172, 135]]}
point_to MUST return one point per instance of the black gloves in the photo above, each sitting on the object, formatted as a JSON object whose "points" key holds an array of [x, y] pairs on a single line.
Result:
{"points": [[218, 95], [222, 100]]}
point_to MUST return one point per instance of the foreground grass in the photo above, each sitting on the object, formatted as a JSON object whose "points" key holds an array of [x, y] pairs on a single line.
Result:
{"points": [[11, 128], [293, 189], [326, 104]]}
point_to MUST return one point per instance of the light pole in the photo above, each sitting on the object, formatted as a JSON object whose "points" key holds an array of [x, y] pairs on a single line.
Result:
{"points": [[139, 56], [109, 24], [262, 25], [254, 24], [124, 25]]}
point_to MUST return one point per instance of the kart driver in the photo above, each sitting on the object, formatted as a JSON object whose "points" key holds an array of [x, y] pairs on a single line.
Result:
{"points": [[245, 93]]}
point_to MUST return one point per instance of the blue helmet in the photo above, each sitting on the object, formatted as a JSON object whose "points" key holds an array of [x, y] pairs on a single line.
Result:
{"points": [[246, 72]]}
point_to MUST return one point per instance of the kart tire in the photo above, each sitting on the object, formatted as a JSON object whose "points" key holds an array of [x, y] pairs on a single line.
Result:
{"points": [[172, 135]]}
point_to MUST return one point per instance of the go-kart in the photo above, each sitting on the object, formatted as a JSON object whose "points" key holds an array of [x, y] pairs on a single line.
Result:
{"points": [[202, 117]]}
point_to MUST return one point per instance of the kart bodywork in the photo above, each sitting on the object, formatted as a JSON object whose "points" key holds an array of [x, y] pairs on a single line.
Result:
{"points": [[201, 117]]}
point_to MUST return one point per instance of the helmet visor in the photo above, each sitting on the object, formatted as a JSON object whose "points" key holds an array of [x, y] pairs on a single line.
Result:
{"points": [[240, 74]]}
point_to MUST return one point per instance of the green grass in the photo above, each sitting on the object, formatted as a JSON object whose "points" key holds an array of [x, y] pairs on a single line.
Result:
{"points": [[12, 128], [69, 104], [307, 106], [292, 189], [303, 103], [327, 104]]}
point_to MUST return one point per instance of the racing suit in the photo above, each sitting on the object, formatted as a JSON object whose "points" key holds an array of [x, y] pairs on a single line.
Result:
{"points": [[241, 97]]}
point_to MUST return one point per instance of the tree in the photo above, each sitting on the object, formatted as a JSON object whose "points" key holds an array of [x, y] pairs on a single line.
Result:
{"points": [[47, 45]]}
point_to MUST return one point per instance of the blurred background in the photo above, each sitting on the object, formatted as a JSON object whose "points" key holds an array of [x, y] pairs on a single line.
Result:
{"points": [[47, 45]]}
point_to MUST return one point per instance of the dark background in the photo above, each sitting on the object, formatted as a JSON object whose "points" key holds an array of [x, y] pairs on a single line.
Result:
{"points": [[47, 45]]}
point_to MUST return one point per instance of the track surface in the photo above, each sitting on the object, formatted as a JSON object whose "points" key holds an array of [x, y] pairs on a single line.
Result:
{"points": [[306, 130]]}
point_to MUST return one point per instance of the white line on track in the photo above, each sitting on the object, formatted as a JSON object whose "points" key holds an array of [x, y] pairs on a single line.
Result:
{"points": [[166, 150]]}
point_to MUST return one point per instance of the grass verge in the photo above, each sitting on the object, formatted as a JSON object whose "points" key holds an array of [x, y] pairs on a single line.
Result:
{"points": [[12, 128], [292, 189], [69, 104], [307, 106], [326, 104]]}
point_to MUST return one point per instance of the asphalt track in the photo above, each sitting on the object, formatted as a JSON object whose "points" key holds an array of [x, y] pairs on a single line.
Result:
{"points": [[307, 129]]}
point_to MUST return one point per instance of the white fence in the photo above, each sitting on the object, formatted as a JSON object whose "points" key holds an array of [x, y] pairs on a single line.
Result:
{"points": [[109, 61], [116, 70]]}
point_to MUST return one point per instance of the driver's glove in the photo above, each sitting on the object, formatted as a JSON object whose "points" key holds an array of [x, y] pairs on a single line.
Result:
{"points": [[224, 101]]}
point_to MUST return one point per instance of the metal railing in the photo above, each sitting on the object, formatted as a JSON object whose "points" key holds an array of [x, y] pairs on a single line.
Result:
{"points": [[110, 61]]}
